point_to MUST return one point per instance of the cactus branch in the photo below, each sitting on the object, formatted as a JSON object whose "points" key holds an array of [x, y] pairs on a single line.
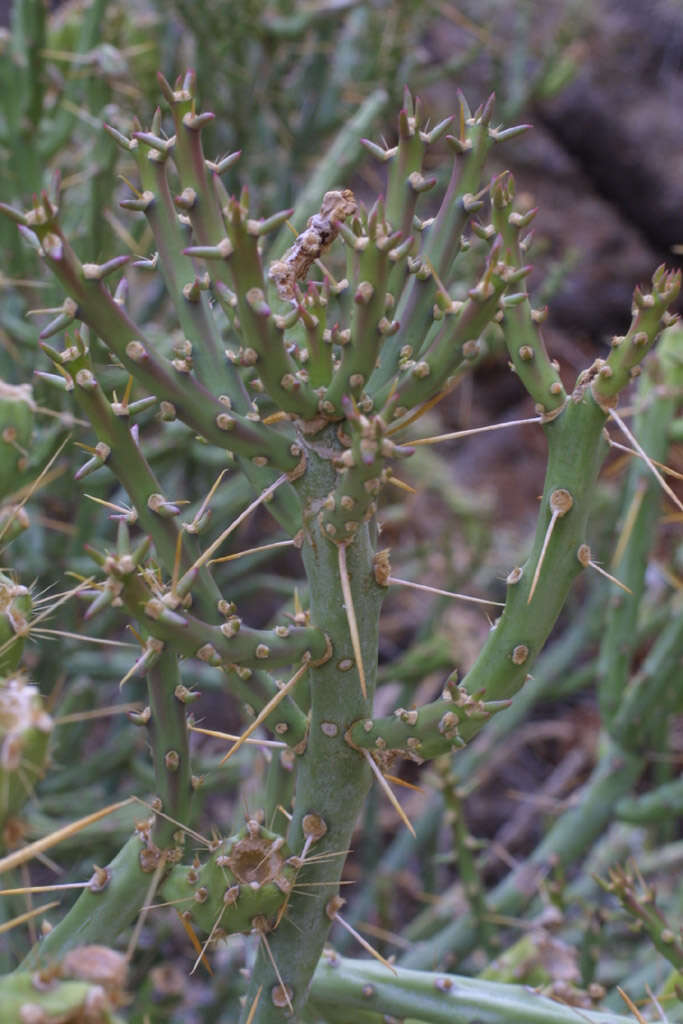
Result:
{"points": [[440, 998]]}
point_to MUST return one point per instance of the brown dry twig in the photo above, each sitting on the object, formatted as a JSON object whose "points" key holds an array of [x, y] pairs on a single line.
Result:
{"points": [[321, 230]]}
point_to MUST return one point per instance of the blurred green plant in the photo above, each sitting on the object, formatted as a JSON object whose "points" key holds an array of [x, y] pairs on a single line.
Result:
{"points": [[289, 78], [60, 75]]}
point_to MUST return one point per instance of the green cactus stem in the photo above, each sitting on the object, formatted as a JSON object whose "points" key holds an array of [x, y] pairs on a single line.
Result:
{"points": [[15, 613], [442, 241], [575, 454], [465, 845], [25, 730], [520, 323], [229, 644], [555, 664], [568, 839], [64, 1001], [650, 308], [120, 452], [642, 496], [336, 700], [105, 316], [663, 804], [243, 886], [17, 410], [109, 905], [638, 900], [537, 959], [167, 730], [365, 985], [428, 731]]}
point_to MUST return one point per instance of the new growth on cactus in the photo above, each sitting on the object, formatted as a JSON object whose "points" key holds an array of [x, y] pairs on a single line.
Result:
{"points": [[304, 368]]}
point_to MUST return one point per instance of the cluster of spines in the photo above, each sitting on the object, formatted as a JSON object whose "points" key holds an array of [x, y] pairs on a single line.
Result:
{"points": [[241, 887]]}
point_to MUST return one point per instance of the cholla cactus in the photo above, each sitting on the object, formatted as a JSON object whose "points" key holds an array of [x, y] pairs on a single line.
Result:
{"points": [[308, 385]]}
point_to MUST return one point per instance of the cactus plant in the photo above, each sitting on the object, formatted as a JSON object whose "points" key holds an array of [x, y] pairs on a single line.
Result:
{"points": [[307, 387], [59, 72], [25, 727], [87, 985]]}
